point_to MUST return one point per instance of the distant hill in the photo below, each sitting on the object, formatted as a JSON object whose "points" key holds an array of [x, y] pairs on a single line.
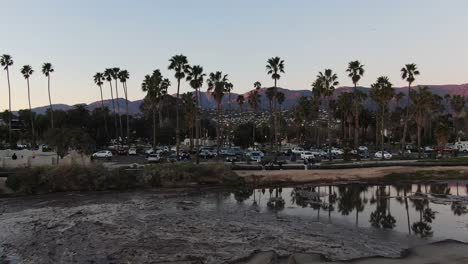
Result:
{"points": [[291, 97]]}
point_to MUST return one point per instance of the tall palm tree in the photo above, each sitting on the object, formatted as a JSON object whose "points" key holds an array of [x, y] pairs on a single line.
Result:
{"points": [[47, 69], [156, 88], [123, 76], [179, 64], [382, 92], [240, 100], [6, 61], [190, 109], [408, 73], [422, 100], [355, 72], [274, 67], [115, 76], [457, 103], [254, 101], [108, 73], [195, 77], [217, 86], [98, 80], [27, 71], [325, 85]]}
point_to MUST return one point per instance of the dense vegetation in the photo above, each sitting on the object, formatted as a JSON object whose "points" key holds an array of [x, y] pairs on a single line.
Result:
{"points": [[98, 178]]}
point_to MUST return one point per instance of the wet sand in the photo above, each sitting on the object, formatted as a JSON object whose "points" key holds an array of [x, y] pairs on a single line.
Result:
{"points": [[174, 226], [327, 175]]}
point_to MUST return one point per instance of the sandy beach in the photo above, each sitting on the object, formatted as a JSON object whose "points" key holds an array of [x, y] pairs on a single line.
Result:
{"points": [[302, 176]]}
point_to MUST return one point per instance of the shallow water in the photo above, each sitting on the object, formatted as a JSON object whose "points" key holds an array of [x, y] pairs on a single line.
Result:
{"points": [[436, 210]]}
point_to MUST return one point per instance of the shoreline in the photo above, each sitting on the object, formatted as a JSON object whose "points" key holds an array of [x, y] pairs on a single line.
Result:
{"points": [[350, 175]]}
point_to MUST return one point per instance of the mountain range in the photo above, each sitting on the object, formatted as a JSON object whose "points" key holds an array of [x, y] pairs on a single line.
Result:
{"points": [[291, 97]]}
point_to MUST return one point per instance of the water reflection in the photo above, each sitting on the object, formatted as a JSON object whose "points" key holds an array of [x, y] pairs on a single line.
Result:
{"points": [[434, 209]]}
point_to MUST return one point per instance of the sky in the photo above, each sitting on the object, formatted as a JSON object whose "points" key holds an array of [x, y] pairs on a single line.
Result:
{"points": [[83, 37]]}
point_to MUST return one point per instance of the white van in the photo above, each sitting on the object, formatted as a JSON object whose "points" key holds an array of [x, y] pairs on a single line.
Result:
{"points": [[462, 146]]}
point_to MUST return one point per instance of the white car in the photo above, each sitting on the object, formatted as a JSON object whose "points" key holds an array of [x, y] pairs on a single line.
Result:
{"points": [[306, 155], [297, 150], [336, 151], [153, 158], [105, 154], [132, 151], [363, 148], [386, 155]]}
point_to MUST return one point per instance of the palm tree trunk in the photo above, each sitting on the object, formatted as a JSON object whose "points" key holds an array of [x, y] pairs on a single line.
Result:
{"points": [[118, 109], [50, 103], [328, 128], [218, 136], [356, 124], [104, 112], [419, 140], [154, 128], [197, 128], [177, 119], [9, 107], [272, 126], [128, 114], [405, 127], [113, 107], [382, 133], [33, 134]]}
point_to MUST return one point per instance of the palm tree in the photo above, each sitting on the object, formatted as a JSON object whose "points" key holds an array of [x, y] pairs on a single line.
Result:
{"points": [[195, 77], [115, 76], [108, 73], [179, 64], [356, 71], [156, 88], [217, 86], [254, 101], [422, 101], [47, 69], [280, 97], [98, 80], [6, 61], [325, 86], [123, 76], [27, 71], [190, 109], [240, 101], [408, 73], [274, 67], [457, 103], [382, 92]]}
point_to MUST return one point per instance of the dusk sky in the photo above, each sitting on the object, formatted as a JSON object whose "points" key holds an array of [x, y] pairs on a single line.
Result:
{"points": [[83, 37]]}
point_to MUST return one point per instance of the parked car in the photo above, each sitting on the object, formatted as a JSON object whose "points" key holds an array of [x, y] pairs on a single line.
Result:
{"points": [[363, 148], [462, 146], [307, 155], [297, 150], [386, 155], [428, 149], [319, 153], [336, 151], [172, 158], [255, 155], [153, 158], [132, 151], [205, 154], [103, 154]]}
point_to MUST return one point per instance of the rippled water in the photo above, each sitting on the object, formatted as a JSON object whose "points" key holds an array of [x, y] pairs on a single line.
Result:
{"points": [[433, 210]]}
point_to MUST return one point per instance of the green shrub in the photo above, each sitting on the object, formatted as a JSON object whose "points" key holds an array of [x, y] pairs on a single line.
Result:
{"points": [[183, 173], [72, 178], [97, 178]]}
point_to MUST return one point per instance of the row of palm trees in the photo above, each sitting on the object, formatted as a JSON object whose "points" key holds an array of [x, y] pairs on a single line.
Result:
{"points": [[6, 61], [115, 74]]}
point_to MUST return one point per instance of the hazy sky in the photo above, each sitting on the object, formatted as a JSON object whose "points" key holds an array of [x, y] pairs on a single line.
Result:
{"points": [[237, 37]]}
